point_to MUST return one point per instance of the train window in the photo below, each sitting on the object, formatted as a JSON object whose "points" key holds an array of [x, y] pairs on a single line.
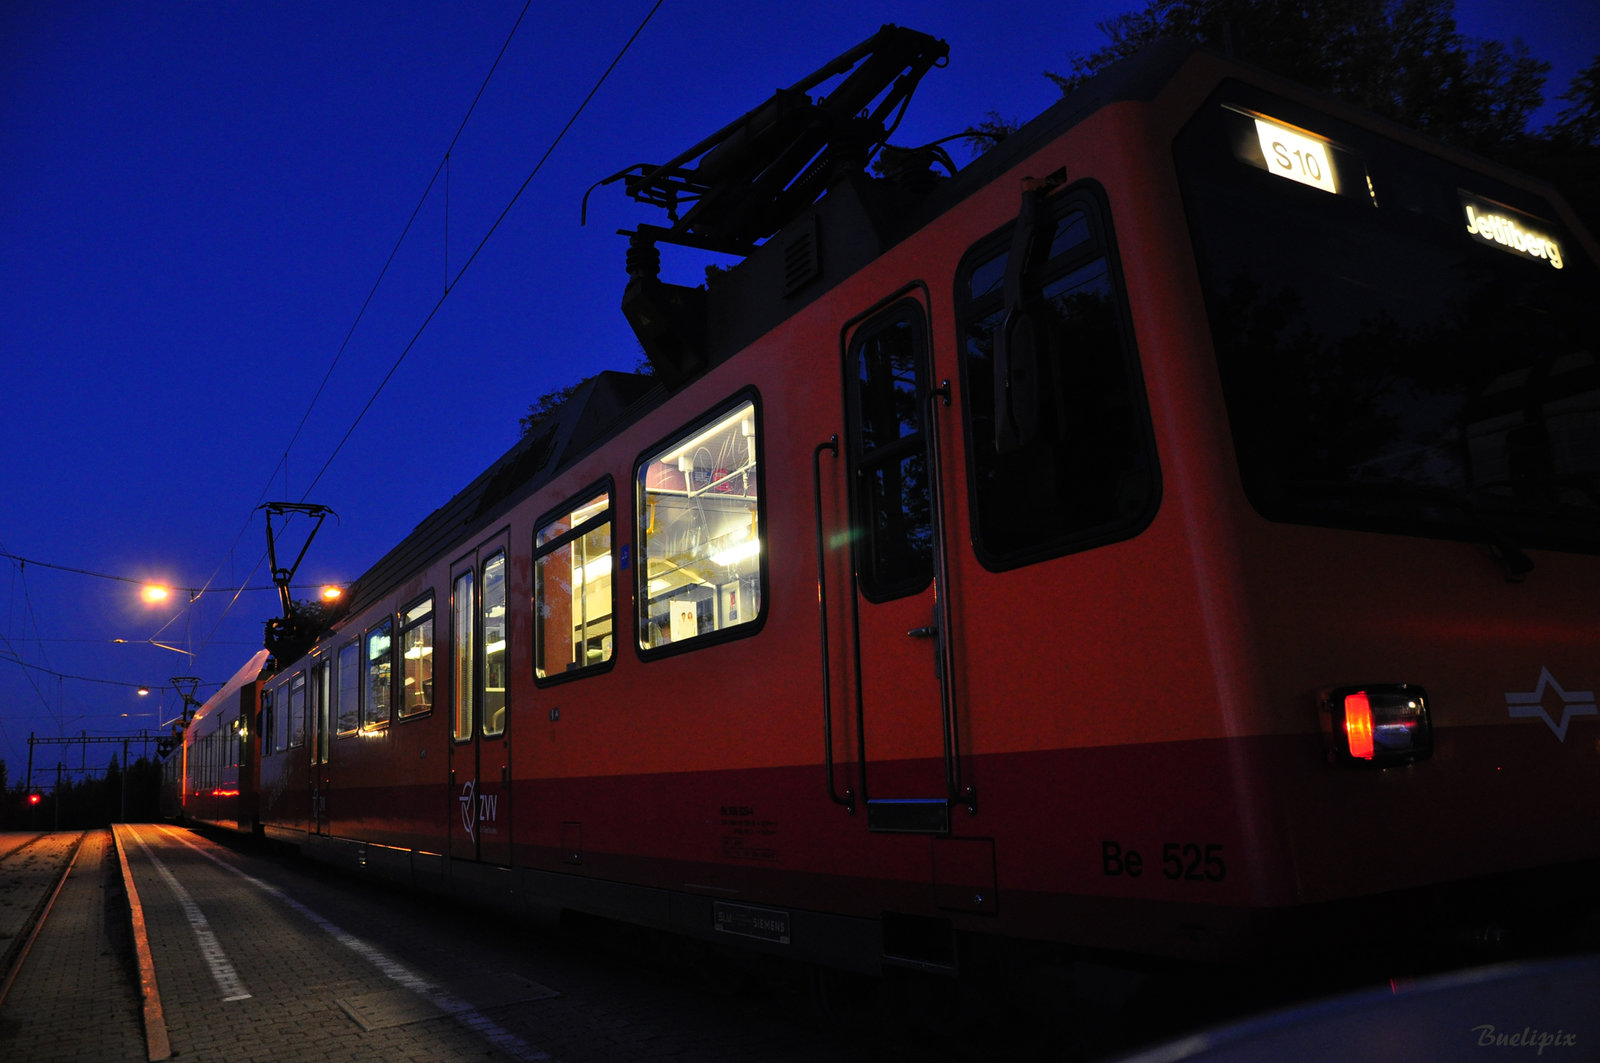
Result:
{"points": [[701, 566], [320, 709], [293, 734], [416, 656], [463, 605], [268, 720], [894, 552], [573, 598], [1387, 362], [349, 688], [379, 676], [1060, 449], [494, 645]]}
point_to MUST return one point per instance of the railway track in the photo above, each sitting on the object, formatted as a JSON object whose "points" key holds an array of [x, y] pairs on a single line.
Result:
{"points": [[33, 868]]}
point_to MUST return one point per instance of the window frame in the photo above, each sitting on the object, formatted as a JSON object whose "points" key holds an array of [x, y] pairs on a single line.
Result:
{"points": [[268, 719], [319, 696], [606, 486], [912, 310], [481, 643], [640, 556], [367, 661], [406, 627], [353, 647], [293, 737], [463, 637], [1089, 198]]}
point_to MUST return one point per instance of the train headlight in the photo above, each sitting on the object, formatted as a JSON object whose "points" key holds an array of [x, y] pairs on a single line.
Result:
{"points": [[1379, 724]]}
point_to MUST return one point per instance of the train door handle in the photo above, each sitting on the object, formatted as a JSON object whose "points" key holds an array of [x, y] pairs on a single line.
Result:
{"points": [[923, 632]]}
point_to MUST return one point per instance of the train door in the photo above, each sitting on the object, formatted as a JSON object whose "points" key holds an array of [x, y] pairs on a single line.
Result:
{"points": [[901, 608], [321, 745], [480, 759]]}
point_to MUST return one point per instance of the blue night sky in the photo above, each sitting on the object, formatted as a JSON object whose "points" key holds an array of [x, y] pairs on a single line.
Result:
{"points": [[198, 198]]}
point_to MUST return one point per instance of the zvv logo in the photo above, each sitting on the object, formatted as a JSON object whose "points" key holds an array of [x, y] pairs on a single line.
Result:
{"points": [[469, 816]]}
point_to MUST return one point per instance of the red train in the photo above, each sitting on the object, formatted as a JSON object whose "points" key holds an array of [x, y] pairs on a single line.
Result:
{"points": [[1176, 527]]}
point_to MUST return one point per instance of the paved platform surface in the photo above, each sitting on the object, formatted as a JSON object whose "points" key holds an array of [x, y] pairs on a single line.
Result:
{"points": [[259, 959], [74, 999]]}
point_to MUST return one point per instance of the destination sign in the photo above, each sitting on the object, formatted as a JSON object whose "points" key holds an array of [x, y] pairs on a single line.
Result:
{"points": [[1295, 154], [1510, 231]]}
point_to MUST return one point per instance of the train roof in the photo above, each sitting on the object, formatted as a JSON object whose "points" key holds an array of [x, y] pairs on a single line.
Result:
{"points": [[596, 408], [856, 220], [242, 678]]}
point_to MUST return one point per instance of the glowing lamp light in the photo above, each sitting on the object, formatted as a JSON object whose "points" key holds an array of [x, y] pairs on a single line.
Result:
{"points": [[34, 799], [330, 593], [154, 593], [1358, 724], [1378, 724]]}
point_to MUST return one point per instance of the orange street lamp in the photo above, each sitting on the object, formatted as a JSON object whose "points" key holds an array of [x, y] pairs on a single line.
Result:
{"points": [[153, 593], [331, 593]]}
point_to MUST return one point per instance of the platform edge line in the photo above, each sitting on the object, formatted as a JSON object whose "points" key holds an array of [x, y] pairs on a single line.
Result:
{"points": [[157, 1044]]}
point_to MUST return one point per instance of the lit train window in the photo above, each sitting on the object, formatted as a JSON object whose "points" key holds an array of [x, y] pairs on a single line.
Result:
{"points": [[416, 656], [294, 717], [379, 676], [573, 599], [464, 609], [700, 565], [349, 689], [1075, 465], [494, 645]]}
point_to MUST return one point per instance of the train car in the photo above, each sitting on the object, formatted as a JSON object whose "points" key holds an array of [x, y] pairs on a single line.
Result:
{"points": [[1173, 533], [218, 762]]}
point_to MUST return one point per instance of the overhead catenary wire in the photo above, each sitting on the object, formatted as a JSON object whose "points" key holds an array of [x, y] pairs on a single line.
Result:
{"points": [[140, 582], [451, 283]]}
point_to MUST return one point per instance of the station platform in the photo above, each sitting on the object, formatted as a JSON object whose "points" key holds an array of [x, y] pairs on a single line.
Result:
{"points": [[73, 999]]}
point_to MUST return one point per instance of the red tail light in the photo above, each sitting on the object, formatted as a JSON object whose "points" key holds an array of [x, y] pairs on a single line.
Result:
{"points": [[1380, 724], [1358, 725]]}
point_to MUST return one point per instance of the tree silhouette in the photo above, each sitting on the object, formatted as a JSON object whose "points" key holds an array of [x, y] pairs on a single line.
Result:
{"points": [[1402, 59]]}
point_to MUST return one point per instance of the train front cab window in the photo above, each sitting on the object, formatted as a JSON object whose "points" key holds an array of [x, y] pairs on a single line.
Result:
{"points": [[378, 678], [701, 561], [573, 597], [416, 656], [1404, 345], [1061, 451]]}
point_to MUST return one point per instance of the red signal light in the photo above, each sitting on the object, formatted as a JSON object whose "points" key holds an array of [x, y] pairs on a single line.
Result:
{"points": [[34, 799]]}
